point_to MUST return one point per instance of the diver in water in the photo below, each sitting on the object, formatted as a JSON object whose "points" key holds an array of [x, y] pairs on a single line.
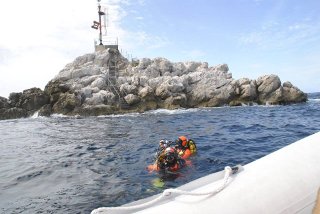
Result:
{"points": [[163, 144], [169, 160], [171, 156], [185, 147]]}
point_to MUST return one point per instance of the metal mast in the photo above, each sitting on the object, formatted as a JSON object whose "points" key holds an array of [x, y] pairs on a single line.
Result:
{"points": [[98, 25]]}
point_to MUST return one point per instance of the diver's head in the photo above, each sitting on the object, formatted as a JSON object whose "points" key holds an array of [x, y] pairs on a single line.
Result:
{"points": [[182, 141], [170, 155], [163, 144]]}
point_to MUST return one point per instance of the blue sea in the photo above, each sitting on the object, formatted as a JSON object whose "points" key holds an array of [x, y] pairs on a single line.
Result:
{"points": [[74, 165]]}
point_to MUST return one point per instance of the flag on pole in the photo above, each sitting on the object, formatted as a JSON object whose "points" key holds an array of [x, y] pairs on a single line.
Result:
{"points": [[95, 25]]}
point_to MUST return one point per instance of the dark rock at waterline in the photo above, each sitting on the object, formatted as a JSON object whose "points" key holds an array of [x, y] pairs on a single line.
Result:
{"points": [[105, 82], [23, 104], [45, 110], [12, 113], [4, 103], [31, 99], [292, 94]]}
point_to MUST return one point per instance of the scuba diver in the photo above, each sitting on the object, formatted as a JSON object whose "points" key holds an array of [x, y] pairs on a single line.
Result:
{"points": [[172, 156], [185, 147], [163, 144], [169, 160]]}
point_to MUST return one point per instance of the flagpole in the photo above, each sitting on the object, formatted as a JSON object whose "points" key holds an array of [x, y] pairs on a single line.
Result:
{"points": [[100, 27]]}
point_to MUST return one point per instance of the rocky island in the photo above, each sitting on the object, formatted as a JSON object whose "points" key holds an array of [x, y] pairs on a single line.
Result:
{"points": [[105, 82]]}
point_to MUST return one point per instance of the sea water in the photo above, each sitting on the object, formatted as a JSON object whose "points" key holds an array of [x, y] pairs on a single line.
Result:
{"points": [[73, 164]]}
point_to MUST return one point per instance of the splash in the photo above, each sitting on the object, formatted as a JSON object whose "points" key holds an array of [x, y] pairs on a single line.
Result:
{"points": [[35, 115]]}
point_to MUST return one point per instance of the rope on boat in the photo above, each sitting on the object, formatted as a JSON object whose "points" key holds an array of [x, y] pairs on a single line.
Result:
{"points": [[228, 171]]}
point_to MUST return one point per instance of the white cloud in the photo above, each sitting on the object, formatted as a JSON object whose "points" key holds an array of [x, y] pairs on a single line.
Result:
{"points": [[273, 35], [39, 38]]}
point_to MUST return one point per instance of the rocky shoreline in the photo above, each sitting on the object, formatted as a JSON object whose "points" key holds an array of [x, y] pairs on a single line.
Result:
{"points": [[105, 83]]}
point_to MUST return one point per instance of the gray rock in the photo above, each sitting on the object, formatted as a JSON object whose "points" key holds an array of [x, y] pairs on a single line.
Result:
{"points": [[274, 98], [66, 103], [132, 99], [143, 81], [45, 110], [95, 110], [144, 63], [128, 89], [191, 67], [4, 104], [14, 98], [267, 85], [146, 93], [222, 67], [13, 113], [178, 69], [155, 82], [31, 99], [169, 87], [292, 94], [247, 89], [99, 83], [287, 84], [223, 95], [176, 101], [54, 88]]}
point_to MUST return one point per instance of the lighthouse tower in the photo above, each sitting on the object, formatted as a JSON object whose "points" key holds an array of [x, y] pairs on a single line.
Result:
{"points": [[104, 41]]}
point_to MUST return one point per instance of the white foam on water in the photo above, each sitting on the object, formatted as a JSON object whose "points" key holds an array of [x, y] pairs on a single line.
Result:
{"points": [[35, 115], [170, 112], [119, 115], [314, 100], [58, 115], [77, 116]]}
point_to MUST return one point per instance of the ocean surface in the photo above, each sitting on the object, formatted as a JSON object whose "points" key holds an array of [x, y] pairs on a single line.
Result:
{"points": [[74, 165]]}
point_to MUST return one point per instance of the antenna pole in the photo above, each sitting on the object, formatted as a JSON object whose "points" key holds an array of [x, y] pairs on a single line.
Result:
{"points": [[100, 24], [105, 21]]}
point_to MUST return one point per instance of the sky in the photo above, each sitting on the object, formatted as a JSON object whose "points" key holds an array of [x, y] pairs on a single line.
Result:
{"points": [[254, 37]]}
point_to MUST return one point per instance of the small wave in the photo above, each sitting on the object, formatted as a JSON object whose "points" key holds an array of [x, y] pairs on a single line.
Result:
{"points": [[92, 148], [32, 175], [58, 115], [157, 111], [170, 112], [119, 115], [249, 104], [270, 104], [36, 115], [314, 100], [65, 116]]}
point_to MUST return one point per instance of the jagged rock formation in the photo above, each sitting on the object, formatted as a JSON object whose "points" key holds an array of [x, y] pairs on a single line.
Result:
{"points": [[107, 83], [23, 104]]}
